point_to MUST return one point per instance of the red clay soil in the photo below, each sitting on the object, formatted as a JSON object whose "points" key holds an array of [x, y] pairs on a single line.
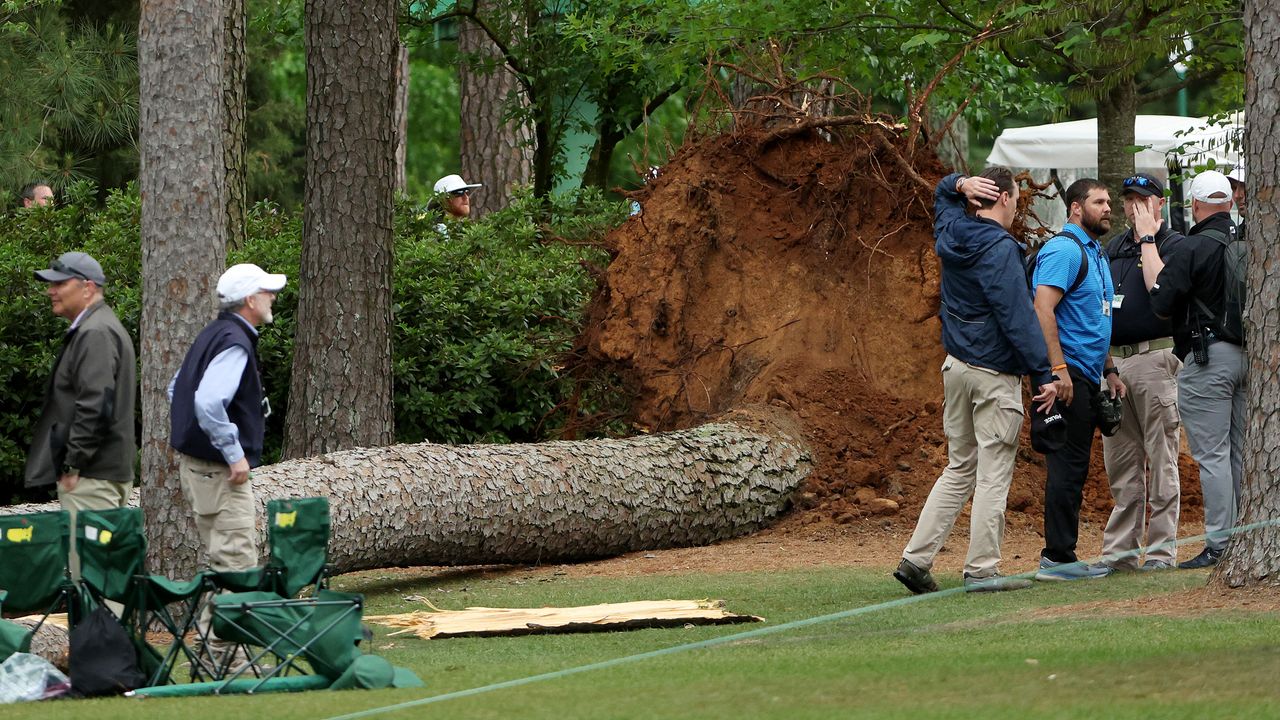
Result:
{"points": [[800, 272]]}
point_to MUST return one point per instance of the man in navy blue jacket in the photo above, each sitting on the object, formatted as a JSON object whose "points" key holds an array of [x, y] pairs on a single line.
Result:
{"points": [[217, 416], [992, 339]]}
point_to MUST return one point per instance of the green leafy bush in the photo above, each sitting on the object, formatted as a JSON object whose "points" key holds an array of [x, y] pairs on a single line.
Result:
{"points": [[483, 313]]}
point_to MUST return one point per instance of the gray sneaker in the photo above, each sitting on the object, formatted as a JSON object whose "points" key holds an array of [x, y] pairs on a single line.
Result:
{"points": [[994, 583], [917, 581], [1150, 565], [1057, 572]]}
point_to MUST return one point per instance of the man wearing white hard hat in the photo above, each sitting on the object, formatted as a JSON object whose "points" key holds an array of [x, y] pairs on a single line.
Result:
{"points": [[1198, 288], [217, 417], [458, 203]]}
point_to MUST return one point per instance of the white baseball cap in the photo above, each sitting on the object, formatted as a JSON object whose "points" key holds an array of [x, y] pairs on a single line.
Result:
{"points": [[454, 183], [1208, 184], [241, 281], [1236, 175]]}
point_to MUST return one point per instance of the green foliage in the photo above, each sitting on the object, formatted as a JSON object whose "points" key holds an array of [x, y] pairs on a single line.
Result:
{"points": [[483, 315], [68, 98], [29, 240]]}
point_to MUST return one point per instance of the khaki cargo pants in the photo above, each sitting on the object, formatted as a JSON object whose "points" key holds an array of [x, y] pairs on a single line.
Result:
{"points": [[981, 415], [225, 514]]}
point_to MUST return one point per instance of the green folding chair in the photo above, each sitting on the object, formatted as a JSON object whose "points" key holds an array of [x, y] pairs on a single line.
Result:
{"points": [[113, 548], [298, 539], [33, 566], [13, 637], [281, 633]]}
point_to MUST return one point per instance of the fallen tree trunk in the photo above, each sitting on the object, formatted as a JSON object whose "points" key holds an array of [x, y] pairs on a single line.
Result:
{"points": [[428, 504]]}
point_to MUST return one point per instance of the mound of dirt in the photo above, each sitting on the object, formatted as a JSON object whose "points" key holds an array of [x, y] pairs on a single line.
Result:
{"points": [[800, 272]]}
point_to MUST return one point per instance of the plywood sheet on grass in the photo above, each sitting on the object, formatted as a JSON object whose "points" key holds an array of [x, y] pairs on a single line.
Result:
{"points": [[483, 622]]}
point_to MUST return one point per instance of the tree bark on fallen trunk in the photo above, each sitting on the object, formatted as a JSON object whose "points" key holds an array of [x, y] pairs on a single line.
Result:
{"points": [[428, 504]]}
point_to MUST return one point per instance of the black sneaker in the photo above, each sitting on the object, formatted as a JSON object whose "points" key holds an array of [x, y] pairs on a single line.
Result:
{"points": [[917, 581], [1207, 558]]}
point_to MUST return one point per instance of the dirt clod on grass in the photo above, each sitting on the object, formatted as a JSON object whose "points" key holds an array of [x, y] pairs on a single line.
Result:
{"points": [[800, 272]]}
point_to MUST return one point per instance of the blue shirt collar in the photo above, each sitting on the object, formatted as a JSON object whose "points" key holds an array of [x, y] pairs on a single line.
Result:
{"points": [[1080, 234]]}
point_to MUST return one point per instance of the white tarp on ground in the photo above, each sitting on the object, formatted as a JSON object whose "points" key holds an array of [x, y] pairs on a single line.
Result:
{"points": [[1074, 144]]}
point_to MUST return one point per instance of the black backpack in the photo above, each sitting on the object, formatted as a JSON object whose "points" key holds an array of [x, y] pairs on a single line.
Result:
{"points": [[1235, 255], [103, 660], [1081, 274]]}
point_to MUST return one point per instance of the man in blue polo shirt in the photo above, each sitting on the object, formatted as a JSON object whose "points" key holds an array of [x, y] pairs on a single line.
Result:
{"points": [[1074, 309]]}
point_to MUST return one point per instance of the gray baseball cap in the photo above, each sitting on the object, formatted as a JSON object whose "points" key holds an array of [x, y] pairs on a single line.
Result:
{"points": [[73, 265]]}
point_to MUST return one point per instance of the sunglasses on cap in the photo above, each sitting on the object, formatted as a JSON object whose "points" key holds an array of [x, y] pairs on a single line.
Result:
{"points": [[1138, 181], [460, 193], [61, 267]]}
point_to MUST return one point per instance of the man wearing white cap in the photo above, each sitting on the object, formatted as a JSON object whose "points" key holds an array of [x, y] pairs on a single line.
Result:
{"points": [[458, 203], [1194, 288], [217, 417]]}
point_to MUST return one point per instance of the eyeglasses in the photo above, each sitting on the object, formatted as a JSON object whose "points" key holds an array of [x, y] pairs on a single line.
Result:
{"points": [[61, 267], [460, 193], [1137, 180]]}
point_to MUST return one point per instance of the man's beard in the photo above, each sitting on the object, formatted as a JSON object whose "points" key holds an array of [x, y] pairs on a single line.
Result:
{"points": [[267, 317], [1098, 227]]}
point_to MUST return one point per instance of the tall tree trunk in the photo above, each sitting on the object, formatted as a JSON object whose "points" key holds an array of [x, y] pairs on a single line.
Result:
{"points": [[401, 117], [340, 396], [181, 175], [233, 132], [550, 502], [1253, 558], [495, 152], [1117, 111]]}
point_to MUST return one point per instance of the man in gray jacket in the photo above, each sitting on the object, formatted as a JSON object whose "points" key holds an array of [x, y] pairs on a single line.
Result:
{"points": [[84, 440]]}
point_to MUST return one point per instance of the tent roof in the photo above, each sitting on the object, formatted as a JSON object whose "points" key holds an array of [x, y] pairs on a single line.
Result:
{"points": [[1075, 144]]}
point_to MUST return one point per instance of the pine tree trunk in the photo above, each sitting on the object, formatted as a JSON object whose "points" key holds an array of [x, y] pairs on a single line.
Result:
{"points": [[340, 396], [1253, 558], [428, 504], [181, 175], [496, 153], [233, 133], [401, 117]]}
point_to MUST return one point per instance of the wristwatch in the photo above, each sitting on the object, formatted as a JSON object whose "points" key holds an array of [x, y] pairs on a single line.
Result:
{"points": [[1148, 239], [70, 469], [1110, 370]]}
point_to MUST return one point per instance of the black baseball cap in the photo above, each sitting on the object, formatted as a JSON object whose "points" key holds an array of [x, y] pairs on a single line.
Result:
{"points": [[1048, 430], [73, 265], [1143, 184]]}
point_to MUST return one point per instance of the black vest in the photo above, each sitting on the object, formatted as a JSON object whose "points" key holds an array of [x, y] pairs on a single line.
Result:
{"points": [[245, 410]]}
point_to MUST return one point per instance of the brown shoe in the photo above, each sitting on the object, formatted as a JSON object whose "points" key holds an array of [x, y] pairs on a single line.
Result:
{"points": [[917, 581]]}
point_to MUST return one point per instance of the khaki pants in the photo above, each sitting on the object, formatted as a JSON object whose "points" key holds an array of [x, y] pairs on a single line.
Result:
{"points": [[1142, 461], [225, 514], [982, 414], [90, 494]]}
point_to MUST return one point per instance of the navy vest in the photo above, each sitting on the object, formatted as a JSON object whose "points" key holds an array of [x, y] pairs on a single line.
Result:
{"points": [[245, 410]]}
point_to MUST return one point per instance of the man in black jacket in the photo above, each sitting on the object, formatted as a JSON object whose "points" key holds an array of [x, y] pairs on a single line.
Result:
{"points": [[1142, 457], [84, 440], [992, 339], [1191, 290]]}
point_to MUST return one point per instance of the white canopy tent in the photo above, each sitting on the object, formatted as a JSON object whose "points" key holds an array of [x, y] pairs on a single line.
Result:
{"points": [[1071, 148], [1075, 144]]}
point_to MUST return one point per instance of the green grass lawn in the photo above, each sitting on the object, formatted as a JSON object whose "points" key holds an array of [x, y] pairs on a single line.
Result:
{"points": [[959, 656]]}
